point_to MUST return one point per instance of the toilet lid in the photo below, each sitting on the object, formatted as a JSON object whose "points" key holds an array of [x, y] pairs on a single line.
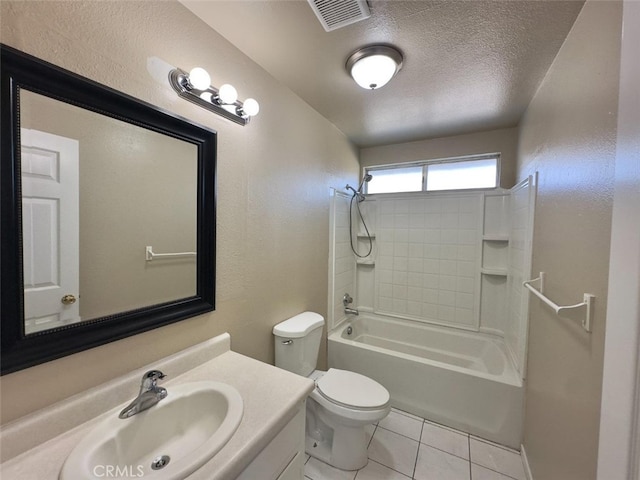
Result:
{"points": [[352, 389]]}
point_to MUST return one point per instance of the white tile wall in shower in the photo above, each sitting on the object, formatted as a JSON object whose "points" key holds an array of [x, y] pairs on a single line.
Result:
{"points": [[428, 257]]}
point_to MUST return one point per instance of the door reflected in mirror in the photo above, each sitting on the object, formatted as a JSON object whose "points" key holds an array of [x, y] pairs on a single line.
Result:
{"points": [[96, 192]]}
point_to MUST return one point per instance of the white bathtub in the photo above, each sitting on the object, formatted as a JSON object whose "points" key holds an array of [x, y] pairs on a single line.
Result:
{"points": [[457, 378]]}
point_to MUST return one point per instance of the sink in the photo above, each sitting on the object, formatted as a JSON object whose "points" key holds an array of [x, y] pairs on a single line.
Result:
{"points": [[177, 436]]}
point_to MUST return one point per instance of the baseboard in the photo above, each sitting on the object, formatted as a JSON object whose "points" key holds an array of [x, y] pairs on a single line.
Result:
{"points": [[525, 463]]}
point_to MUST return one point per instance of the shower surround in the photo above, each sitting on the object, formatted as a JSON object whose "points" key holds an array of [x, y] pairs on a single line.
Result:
{"points": [[443, 316]]}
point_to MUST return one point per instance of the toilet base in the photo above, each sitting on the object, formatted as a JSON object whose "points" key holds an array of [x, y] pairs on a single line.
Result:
{"points": [[341, 446], [322, 450]]}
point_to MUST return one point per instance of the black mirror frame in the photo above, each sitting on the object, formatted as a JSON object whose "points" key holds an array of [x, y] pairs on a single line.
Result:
{"points": [[19, 351]]}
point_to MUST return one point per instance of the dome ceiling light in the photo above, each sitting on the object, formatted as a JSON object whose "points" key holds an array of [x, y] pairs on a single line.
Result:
{"points": [[373, 66]]}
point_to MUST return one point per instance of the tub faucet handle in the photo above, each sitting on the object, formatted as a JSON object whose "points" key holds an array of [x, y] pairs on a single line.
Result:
{"points": [[347, 300]]}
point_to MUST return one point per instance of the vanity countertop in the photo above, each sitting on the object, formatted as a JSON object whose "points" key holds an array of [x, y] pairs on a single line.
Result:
{"points": [[271, 398]]}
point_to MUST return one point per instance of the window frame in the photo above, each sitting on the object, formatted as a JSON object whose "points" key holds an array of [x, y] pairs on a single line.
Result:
{"points": [[425, 167]]}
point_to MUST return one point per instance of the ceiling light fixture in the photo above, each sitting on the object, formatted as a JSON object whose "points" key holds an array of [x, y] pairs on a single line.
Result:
{"points": [[373, 66], [195, 87]]}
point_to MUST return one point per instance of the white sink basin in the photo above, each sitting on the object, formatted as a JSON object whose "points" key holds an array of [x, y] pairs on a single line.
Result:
{"points": [[189, 426]]}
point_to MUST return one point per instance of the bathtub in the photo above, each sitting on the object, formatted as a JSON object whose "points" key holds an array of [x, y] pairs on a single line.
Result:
{"points": [[462, 379]]}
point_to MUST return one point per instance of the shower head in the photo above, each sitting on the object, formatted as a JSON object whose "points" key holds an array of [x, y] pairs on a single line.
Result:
{"points": [[365, 179], [358, 193]]}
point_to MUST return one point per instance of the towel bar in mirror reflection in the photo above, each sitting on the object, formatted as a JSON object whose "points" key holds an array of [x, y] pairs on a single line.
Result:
{"points": [[150, 254]]}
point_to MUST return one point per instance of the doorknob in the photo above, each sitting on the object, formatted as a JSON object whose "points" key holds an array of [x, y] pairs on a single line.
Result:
{"points": [[68, 299]]}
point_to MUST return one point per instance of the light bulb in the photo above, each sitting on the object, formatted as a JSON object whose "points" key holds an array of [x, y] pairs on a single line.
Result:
{"points": [[374, 71], [250, 107], [227, 94], [199, 78]]}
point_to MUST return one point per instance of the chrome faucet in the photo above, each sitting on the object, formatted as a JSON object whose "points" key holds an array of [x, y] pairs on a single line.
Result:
{"points": [[150, 394], [347, 300]]}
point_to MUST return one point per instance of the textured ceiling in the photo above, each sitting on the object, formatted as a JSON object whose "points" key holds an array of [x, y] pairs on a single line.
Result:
{"points": [[469, 65]]}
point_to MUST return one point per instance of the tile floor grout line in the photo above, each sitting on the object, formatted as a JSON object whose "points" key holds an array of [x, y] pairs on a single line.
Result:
{"points": [[401, 434], [494, 470], [389, 466], [358, 471], [415, 464], [392, 469], [493, 444], [439, 425], [371, 439], [444, 427], [448, 453], [406, 414], [469, 446]]}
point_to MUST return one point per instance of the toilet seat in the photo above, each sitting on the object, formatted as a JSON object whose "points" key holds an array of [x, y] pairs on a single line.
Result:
{"points": [[352, 390]]}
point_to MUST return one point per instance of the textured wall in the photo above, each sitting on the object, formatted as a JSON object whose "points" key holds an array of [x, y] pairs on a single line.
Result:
{"points": [[568, 135], [504, 140], [273, 180]]}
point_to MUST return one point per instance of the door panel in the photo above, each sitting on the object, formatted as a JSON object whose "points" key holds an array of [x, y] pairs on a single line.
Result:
{"points": [[50, 222]]}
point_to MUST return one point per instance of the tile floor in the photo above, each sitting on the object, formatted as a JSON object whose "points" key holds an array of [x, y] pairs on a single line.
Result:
{"points": [[403, 447]]}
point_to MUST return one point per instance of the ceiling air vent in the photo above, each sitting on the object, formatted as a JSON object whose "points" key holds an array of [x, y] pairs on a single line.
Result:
{"points": [[334, 14]]}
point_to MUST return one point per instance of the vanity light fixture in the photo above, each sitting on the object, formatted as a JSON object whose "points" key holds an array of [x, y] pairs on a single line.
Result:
{"points": [[373, 66], [196, 87]]}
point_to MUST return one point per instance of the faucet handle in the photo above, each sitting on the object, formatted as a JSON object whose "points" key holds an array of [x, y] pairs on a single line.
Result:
{"points": [[347, 300], [150, 379], [157, 374]]}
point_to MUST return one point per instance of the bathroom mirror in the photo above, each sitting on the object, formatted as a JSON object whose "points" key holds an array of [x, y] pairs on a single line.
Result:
{"points": [[108, 214]]}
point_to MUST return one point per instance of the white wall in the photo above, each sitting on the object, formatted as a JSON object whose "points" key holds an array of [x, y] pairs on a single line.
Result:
{"points": [[568, 136], [619, 446]]}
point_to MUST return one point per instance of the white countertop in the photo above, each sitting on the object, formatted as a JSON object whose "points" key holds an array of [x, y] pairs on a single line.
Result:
{"points": [[271, 398]]}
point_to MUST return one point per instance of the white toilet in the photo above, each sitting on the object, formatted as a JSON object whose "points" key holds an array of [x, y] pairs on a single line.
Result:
{"points": [[342, 403]]}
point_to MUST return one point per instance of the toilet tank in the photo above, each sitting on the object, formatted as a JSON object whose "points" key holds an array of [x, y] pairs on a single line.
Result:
{"points": [[297, 342]]}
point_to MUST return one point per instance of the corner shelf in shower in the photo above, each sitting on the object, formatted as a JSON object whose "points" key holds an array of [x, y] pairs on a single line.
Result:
{"points": [[495, 238], [365, 261], [495, 255], [497, 272]]}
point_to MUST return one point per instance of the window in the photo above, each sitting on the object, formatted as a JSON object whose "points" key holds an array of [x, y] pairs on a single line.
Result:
{"points": [[463, 173], [395, 179]]}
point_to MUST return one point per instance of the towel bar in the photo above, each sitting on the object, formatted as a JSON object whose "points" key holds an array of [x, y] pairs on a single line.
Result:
{"points": [[150, 255], [587, 301]]}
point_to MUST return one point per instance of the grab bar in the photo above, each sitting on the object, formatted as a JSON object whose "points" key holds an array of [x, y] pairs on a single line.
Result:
{"points": [[587, 301], [150, 254]]}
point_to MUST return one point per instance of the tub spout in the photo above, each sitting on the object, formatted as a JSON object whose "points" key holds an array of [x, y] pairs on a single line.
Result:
{"points": [[351, 311]]}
